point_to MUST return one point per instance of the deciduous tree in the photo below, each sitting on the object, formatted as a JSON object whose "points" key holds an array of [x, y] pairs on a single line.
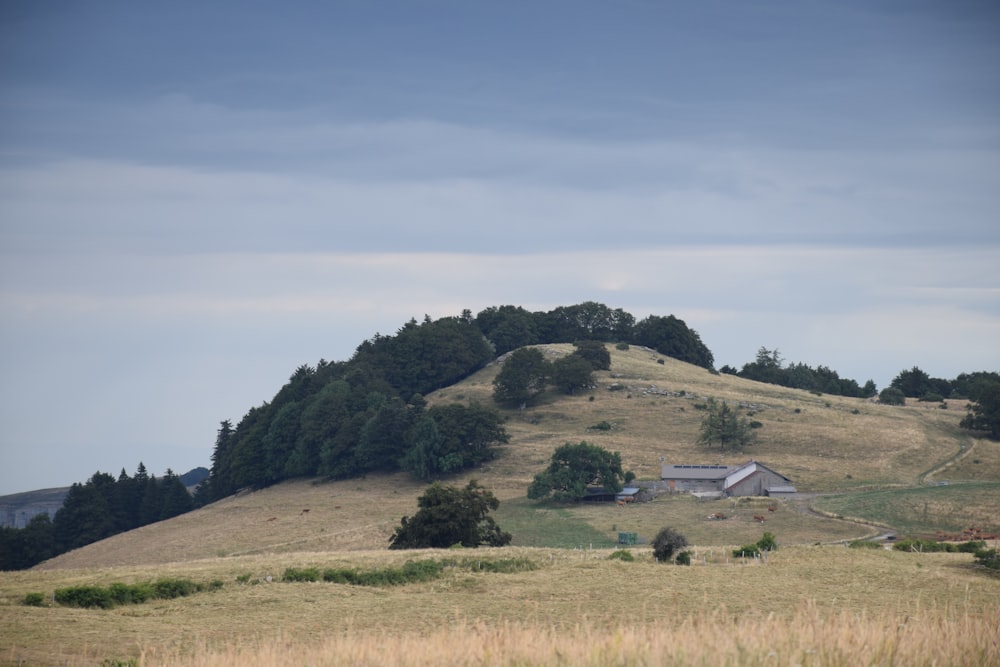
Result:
{"points": [[448, 516], [575, 467]]}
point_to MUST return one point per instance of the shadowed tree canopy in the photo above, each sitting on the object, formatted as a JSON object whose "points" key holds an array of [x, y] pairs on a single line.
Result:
{"points": [[575, 467], [448, 516]]}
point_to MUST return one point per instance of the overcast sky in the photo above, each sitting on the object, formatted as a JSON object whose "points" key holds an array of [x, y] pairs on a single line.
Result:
{"points": [[198, 197]]}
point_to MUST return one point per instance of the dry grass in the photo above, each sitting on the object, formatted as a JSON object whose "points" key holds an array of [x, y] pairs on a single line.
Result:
{"points": [[806, 605], [802, 598], [712, 639]]}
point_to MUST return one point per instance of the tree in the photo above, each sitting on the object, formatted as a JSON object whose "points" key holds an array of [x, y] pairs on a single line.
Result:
{"points": [[572, 373], [667, 542], [914, 383], [522, 378], [723, 425], [575, 467], [448, 516], [672, 337], [595, 353], [984, 413], [892, 396]]}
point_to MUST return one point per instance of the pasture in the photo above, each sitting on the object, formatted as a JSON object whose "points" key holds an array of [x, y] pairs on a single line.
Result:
{"points": [[804, 604]]}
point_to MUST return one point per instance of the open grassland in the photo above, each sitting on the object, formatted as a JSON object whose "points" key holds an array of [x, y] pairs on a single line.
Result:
{"points": [[824, 443], [826, 605], [951, 508]]}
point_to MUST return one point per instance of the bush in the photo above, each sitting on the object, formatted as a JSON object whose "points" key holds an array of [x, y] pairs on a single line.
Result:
{"points": [[931, 397], [666, 542], [622, 554], [988, 558], [864, 544], [301, 574], [167, 589], [684, 558], [601, 426], [84, 596], [767, 543], [892, 396], [34, 600]]}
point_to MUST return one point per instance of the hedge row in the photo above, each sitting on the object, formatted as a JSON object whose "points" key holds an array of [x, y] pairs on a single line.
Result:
{"points": [[121, 594], [410, 572]]}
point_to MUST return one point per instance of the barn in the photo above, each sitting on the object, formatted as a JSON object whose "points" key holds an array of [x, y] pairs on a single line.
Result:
{"points": [[748, 479]]}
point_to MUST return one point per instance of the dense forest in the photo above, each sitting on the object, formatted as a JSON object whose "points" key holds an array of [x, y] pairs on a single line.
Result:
{"points": [[345, 419], [101, 507]]}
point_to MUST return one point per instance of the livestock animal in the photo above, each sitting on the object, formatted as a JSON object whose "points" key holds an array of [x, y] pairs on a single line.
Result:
{"points": [[759, 518]]}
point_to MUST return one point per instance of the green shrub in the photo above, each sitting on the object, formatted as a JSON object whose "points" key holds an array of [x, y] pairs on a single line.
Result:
{"points": [[746, 551], [931, 397], [621, 346], [622, 554], [601, 426], [988, 558], [864, 544], [767, 543], [683, 558], [84, 596], [34, 600], [666, 543], [304, 574], [167, 589]]}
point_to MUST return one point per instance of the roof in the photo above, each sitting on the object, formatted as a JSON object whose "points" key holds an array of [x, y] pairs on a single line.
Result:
{"points": [[703, 472]]}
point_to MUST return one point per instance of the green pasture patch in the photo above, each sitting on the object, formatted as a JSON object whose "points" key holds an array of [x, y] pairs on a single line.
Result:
{"points": [[923, 510], [548, 525]]}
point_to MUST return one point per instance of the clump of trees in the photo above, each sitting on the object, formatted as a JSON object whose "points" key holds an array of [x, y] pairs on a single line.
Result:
{"points": [[769, 367], [575, 467], [526, 373], [99, 508], [450, 516]]}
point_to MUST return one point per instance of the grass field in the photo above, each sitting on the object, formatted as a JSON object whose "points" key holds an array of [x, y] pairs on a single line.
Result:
{"points": [[813, 602], [572, 593], [952, 508]]}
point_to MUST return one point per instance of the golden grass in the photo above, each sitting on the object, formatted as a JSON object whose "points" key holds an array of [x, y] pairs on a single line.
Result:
{"points": [[935, 638], [579, 604]]}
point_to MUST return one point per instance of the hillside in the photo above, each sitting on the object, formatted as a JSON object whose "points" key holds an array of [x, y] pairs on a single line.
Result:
{"points": [[824, 443]]}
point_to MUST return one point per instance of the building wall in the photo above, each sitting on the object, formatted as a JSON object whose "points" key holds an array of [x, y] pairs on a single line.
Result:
{"points": [[757, 483]]}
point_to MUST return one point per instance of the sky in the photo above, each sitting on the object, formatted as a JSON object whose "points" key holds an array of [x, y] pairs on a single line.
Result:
{"points": [[196, 198]]}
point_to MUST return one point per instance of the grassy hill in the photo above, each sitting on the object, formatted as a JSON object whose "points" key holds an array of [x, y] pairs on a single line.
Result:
{"points": [[824, 443], [813, 602]]}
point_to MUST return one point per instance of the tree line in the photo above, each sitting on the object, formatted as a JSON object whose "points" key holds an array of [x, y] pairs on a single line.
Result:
{"points": [[769, 367], [98, 508], [346, 419]]}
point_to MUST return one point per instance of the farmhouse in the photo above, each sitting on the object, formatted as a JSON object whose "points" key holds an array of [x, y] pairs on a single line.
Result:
{"points": [[749, 479]]}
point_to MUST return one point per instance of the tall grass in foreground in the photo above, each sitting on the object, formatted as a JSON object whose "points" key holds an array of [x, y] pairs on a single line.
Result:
{"points": [[934, 637]]}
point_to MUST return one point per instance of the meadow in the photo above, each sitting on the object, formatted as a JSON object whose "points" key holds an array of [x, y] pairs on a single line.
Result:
{"points": [[862, 468], [826, 605]]}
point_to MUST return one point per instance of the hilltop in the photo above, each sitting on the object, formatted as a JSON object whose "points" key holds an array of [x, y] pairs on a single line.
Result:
{"points": [[826, 444]]}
